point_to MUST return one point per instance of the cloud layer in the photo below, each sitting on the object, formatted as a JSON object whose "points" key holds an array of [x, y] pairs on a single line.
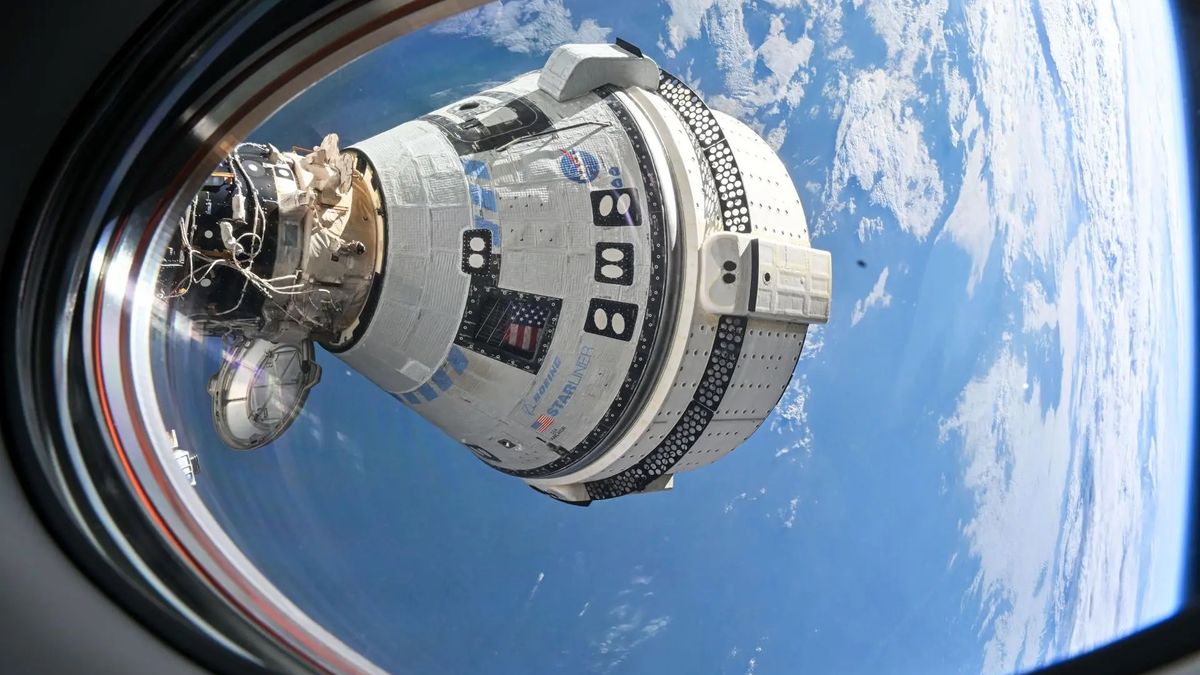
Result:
{"points": [[1061, 499], [524, 26], [878, 297]]}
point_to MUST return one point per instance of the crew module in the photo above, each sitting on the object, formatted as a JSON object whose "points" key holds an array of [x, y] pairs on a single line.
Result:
{"points": [[585, 275]]}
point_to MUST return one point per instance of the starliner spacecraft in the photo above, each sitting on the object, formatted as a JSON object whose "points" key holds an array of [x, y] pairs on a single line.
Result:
{"points": [[585, 275]]}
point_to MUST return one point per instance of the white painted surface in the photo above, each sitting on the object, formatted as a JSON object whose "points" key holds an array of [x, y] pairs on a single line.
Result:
{"points": [[574, 70], [423, 292]]}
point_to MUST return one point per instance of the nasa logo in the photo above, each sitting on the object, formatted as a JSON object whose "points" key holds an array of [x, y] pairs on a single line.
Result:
{"points": [[578, 165]]}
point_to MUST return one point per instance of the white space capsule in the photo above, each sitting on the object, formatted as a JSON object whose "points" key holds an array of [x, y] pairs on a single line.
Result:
{"points": [[585, 275]]}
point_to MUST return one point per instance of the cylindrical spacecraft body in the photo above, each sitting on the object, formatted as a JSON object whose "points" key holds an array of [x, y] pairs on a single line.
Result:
{"points": [[590, 279]]}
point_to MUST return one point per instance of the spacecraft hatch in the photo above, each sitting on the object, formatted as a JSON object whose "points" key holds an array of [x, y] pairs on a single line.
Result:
{"points": [[585, 275]]}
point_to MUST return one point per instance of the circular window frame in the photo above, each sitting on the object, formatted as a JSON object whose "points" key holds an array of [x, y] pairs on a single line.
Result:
{"points": [[195, 80]]}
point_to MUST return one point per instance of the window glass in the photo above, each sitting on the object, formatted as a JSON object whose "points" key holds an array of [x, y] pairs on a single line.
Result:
{"points": [[980, 462]]}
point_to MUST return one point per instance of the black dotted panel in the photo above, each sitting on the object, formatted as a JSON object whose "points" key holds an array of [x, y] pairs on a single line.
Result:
{"points": [[615, 207], [712, 204], [614, 263], [702, 124], [476, 316], [611, 319], [723, 357], [673, 447], [478, 243], [653, 308]]}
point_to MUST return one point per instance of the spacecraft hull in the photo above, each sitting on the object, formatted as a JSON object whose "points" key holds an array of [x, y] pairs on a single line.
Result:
{"points": [[546, 305], [584, 275], [529, 273]]}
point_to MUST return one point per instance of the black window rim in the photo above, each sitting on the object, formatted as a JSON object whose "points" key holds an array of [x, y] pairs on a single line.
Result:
{"points": [[194, 77]]}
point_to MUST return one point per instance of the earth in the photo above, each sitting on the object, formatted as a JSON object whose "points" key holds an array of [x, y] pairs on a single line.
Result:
{"points": [[981, 461]]}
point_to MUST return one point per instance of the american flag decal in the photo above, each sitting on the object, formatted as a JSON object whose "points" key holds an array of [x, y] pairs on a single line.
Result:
{"points": [[509, 326], [543, 422], [523, 327]]}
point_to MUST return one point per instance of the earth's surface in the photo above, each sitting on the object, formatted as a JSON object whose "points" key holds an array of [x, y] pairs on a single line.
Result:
{"points": [[981, 462]]}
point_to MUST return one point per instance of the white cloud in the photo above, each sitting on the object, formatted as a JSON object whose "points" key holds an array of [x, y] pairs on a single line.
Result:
{"points": [[536, 585], [744, 496], [1016, 466], [752, 662], [684, 22], [1024, 134], [631, 628], [790, 518], [814, 343], [958, 101], [524, 26], [880, 145], [911, 31], [1076, 466], [633, 625], [790, 412], [785, 59], [869, 227], [776, 136], [880, 140], [737, 107], [454, 93], [878, 297], [834, 94], [971, 224], [1064, 511], [1036, 311], [790, 419], [824, 20]]}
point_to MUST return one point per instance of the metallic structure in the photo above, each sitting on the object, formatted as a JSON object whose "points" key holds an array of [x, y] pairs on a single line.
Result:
{"points": [[585, 275], [186, 460]]}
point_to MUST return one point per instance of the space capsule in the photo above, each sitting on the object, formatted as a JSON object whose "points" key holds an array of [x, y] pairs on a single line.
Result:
{"points": [[585, 275]]}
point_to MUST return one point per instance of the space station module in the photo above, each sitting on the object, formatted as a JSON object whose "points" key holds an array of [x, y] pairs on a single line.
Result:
{"points": [[585, 275]]}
